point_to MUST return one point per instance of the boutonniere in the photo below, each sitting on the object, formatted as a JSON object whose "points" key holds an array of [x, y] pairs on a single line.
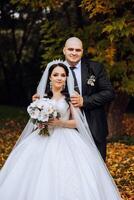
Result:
{"points": [[91, 80]]}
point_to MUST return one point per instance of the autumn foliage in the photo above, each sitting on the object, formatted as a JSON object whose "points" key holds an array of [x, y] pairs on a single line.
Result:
{"points": [[128, 122], [119, 156]]}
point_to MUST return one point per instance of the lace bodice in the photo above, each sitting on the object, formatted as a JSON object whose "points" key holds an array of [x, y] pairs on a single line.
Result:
{"points": [[62, 107]]}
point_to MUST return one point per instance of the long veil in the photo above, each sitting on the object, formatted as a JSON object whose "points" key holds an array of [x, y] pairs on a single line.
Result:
{"points": [[81, 122], [41, 92], [80, 118]]}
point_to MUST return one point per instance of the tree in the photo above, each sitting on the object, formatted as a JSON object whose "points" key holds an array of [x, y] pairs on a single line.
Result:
{"points": [[59, 28], [111, 34], [43, 27], [31, 29], [20, 41]]}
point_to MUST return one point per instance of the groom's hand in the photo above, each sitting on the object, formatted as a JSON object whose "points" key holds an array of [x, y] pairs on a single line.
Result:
{"points": [[77, 100], [35, 97]]}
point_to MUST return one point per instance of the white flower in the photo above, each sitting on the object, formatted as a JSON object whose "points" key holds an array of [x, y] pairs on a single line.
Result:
{"points": [[43, 117], [42, 110], [91, 80], [41, 103], [55, 114], [34, 113]]}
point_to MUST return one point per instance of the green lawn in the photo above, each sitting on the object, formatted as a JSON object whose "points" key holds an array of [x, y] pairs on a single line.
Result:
{"points": [[11, 117], [11, 112]]}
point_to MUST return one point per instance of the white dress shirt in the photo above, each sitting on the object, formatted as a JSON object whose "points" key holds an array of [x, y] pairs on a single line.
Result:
{"points": [[77, 72]]}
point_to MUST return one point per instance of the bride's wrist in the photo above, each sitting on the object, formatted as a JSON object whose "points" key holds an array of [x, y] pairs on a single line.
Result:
{"points": [[63, 124]]}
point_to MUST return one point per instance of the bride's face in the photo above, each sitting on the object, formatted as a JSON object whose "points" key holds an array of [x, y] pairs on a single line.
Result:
{"points": [[58, 78]]}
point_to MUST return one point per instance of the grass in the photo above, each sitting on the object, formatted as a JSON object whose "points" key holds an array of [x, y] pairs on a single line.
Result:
{"points": [[125, 139], [12, 112], [10, 115]]}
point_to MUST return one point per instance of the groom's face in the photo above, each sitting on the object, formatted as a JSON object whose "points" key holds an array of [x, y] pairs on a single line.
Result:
{"points": [[73, 51]]}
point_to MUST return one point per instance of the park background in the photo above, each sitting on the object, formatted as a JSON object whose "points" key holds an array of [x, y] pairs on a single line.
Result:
{"points": [[33, 32]]}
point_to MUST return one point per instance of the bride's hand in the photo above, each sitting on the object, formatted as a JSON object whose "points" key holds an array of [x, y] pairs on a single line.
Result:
{"points": [[54, 122]]}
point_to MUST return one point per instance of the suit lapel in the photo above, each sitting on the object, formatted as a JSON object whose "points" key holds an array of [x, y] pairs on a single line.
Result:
{"points": [[84, 76]]}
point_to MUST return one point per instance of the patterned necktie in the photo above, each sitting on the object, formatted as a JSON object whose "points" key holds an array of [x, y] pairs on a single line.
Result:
{"points": [[76, 87]]}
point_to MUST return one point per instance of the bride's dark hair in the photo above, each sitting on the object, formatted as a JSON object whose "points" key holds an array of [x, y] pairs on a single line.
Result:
{"points": [[65, 92]]}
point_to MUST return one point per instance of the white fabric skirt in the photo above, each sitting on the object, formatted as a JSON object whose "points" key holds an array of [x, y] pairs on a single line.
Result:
{"points": [[58, 167]]}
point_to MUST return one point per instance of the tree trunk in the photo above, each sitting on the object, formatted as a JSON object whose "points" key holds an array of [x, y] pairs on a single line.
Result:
{"points": [[115, 114]]}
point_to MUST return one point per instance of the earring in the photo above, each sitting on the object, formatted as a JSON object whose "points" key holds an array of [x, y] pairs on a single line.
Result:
{"points": [[51, 85]]}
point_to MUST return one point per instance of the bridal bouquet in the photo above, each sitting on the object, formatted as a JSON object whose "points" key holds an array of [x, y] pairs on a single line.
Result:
{"points": [[41, 111]]}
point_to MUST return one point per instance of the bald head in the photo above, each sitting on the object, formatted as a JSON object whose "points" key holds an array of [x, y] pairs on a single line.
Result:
{"points": [[73, 50], [75, 41]]}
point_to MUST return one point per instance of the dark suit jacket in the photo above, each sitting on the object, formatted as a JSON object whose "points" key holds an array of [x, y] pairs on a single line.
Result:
{"points": [[95, 97]]}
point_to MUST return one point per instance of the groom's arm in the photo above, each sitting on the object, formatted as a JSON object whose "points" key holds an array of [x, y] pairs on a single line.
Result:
{"points": [[35, 97], [105, 92]]}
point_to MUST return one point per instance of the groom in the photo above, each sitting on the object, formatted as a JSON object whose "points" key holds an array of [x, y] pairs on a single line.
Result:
{"points": [[94, 90]]}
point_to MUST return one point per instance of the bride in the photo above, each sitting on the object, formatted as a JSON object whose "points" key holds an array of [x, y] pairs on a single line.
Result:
{"points": [[65, 165]]}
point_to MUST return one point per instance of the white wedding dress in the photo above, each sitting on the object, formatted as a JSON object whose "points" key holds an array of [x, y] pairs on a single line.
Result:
{"points": [[56, 167]]}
